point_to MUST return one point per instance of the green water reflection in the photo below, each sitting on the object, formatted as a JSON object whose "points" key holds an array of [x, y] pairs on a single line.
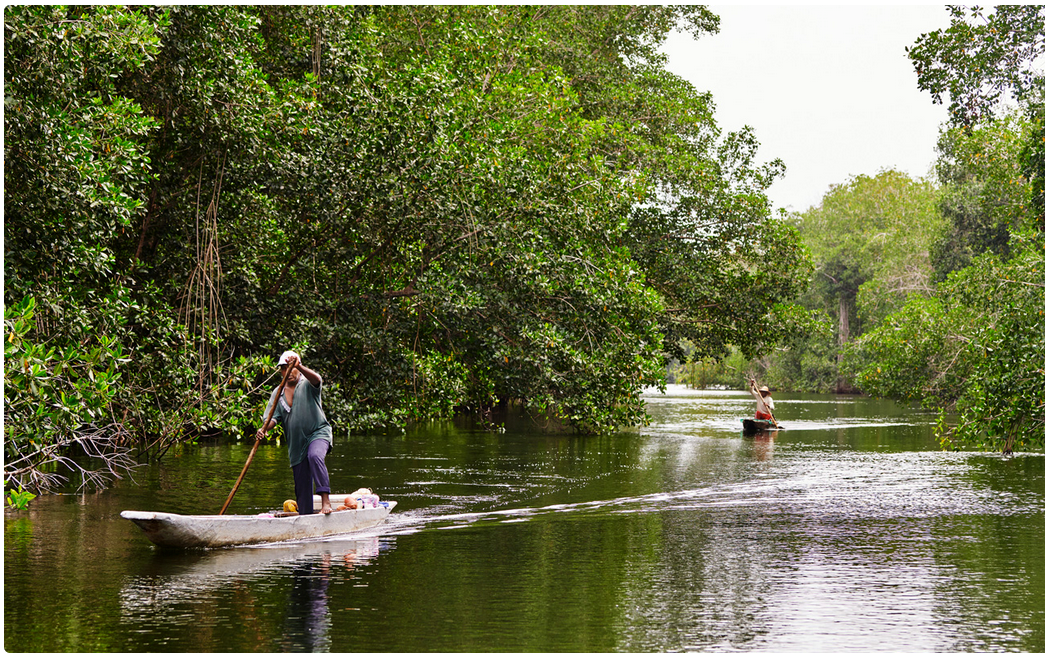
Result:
{"points": [[849, 530]]}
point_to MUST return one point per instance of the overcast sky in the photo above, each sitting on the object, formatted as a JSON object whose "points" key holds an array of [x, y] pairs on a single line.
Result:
{"points": [[827, 89]]}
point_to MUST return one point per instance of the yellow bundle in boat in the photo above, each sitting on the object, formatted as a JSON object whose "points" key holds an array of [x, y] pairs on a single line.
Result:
{"points": [[290, 506]]}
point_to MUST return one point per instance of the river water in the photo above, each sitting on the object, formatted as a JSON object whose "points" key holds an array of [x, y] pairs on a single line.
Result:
{"points": [[850, 530]]}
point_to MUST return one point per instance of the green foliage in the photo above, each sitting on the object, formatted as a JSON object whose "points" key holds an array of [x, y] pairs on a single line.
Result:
{"points": [[809, 364], [492, 210], [1032, 162], [730, 372], [19, 499], [919, 353], [55, 395], [979, 59], [1003, 400], [37, 375], [84, 172], [977, 348], [985, 195], [74, 165], [447, 208], [869, 240]]}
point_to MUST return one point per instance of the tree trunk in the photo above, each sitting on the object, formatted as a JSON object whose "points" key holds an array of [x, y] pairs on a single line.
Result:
{"points": [[841, 384]]}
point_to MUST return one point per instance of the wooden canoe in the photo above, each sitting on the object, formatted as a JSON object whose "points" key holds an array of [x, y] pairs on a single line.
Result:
{"points": [[208, 531], [752, 426]]}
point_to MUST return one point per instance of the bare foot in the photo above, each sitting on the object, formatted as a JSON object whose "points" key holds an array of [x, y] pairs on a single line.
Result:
{"points": [[326, 510]]}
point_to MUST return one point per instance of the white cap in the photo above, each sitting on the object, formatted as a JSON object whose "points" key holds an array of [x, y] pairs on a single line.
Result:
{"points": [[286, 356]]}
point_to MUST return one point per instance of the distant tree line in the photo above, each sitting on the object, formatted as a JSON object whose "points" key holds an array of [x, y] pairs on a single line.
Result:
{"points": [[444, 209], [934, 290]]}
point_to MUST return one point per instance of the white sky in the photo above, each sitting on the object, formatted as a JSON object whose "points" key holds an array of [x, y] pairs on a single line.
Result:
{"points": [[827, 89]]}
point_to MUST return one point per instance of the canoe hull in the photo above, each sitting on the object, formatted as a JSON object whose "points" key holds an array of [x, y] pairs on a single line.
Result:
{"points": [[208, 531], [752, 426]]}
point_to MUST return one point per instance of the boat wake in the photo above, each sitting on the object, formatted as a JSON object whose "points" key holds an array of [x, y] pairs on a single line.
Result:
{"points": [[418, 520], [857, 485]]}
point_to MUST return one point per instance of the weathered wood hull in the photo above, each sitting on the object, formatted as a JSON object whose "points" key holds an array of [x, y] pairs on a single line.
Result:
{"points": [[752, 426], [208, 531]]}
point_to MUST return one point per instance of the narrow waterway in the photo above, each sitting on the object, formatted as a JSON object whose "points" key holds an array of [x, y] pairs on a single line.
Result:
{"points": [[848, 530]]}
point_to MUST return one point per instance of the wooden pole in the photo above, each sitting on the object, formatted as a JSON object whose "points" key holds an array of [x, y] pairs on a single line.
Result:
{"points": [[257, 441]]}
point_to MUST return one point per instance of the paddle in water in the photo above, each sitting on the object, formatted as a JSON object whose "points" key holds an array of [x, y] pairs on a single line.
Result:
{"points": [[764, 404]]}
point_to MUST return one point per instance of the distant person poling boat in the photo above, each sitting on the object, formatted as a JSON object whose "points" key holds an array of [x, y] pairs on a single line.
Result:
{"points": [[764, 419]]}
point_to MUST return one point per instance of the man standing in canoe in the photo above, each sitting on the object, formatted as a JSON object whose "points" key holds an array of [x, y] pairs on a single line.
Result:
{"points": [[763, 402], [300, 411]]}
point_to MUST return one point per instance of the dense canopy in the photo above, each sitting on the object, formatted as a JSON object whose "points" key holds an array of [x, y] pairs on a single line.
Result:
{"points": [[444, 209]]}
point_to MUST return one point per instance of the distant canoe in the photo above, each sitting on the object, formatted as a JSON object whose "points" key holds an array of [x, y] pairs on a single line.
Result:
{"points": [[206, 531], [752, 426]]}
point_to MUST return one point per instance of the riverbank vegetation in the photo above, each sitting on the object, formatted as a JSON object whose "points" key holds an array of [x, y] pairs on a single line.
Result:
{"points": [[443, 209], [936, 288], [448, 209], [985, 326]]}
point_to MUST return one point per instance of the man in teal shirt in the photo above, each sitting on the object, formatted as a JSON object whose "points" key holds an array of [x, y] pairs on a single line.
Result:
{"points": [[300, 410]]}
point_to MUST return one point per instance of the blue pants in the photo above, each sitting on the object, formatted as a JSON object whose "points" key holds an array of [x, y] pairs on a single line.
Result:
{"points": [[313, 467]]}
